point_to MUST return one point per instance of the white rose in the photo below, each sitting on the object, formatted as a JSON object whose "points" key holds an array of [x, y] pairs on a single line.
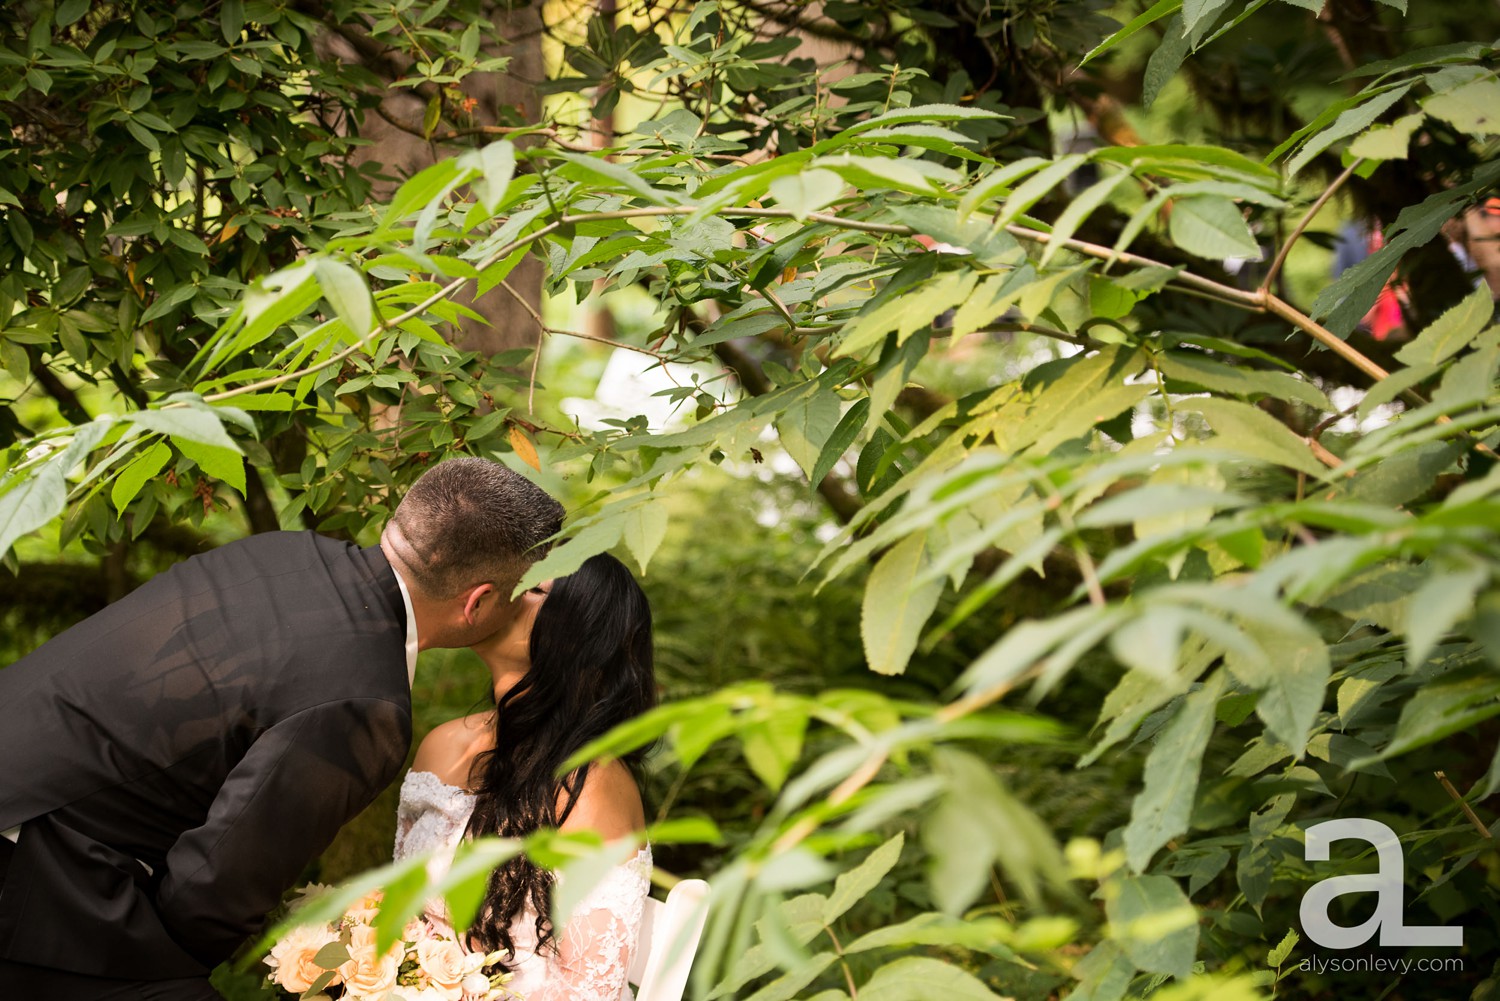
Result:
{"points": [[475, 986]]}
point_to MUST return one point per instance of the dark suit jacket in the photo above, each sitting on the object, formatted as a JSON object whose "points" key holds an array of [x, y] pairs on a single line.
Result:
{"points": [[177, 759]]}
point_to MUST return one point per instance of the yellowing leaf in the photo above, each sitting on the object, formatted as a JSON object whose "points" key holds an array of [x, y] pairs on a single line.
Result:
{"points": [[524, 448]]}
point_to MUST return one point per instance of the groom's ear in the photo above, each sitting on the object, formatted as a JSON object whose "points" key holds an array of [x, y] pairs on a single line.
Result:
{"points": [[480, 602]]}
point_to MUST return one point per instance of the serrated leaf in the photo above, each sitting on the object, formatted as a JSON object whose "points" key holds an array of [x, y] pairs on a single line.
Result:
{"points": [[1473, 107], [921, 978], [1211, 227], [497, 165], [347, 293], [1356, 119], [134, 476], [1387, 142], [1255, 433], [1289, 941], [1079, 209], [192, 424], [844, 435], [1165, 60], [806, 426], [852, 886], [566, 557], [645, 527], [807, 191], [1164, 805], [1444, 600], [1154, 922], [220, 463], [894, 612], [31, 504], [1450, 333], [1198, 17], [1157, 11], [1345, 302], [772, 746]]}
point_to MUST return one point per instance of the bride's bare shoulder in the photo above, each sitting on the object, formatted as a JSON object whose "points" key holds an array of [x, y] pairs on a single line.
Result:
{"points": [[609, 803], [448, 751]]}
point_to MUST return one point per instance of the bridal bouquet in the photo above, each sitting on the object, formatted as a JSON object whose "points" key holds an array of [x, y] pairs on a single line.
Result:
{"points": [[338, 960]]}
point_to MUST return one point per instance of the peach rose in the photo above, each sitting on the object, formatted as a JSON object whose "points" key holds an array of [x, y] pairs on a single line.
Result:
{"points": [[363, 910], [367, 975], [292, 957], [445, 964]]}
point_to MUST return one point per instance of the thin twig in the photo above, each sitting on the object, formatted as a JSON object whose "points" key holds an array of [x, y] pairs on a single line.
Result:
{"points": [[1312, 210], [1463, 805]]}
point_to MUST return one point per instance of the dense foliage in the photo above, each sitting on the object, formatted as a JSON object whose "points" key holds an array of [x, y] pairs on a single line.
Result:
{"points": [[1275, 564]]}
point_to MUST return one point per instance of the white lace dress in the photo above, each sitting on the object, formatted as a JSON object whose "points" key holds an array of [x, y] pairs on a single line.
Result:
{"points": [[594, 949]]}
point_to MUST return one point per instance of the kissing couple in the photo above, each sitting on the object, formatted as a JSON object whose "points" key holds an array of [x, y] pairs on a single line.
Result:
{"points": [[170, 765]]}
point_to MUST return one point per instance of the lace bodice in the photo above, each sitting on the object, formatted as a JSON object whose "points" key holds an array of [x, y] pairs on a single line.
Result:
{"points": [[596, 946]]}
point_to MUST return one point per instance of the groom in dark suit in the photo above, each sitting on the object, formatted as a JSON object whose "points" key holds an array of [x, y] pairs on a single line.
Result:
{"points": [[169, 765]]}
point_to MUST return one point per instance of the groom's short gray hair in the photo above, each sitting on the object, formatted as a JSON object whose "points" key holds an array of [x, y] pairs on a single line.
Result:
{"points": [[467, 521]]}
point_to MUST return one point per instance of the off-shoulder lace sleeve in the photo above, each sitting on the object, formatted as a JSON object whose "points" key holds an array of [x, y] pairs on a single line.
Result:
{"points": [[597, 944]]}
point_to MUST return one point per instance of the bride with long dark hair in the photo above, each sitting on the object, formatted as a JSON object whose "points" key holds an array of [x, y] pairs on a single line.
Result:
{"points": [[577, 661]]}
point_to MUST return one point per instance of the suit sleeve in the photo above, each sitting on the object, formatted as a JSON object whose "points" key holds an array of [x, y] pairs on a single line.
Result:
{"points": [[279, 808]]}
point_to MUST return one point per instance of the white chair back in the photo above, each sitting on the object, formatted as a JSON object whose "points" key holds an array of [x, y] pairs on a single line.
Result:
{"points": [[669, 937]]}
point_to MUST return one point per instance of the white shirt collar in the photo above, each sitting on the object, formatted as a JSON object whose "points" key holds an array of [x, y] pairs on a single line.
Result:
{"points": [[411, 630]]}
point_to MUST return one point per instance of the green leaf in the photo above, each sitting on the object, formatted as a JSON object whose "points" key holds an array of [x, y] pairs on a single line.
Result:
{"points": [[807, 191], [772, 746], [347, 293], [894, 611], [1161, 810], [568, 556], [1155, 924], [1157, 11], [790, 984], [1165, 60], [232, 20], [1080, 208], [1454, 702], [196, 425], [134, 476], [1450, 333], [1211, 227], [1072, 396], [1198, 16], [645, 527], [1473, 107], [852, 886], [1255, 433], [497, 165], [1441, 603], [1291, 676], [220, 463], [1038, 186], [1200, 370], [611, 176], [921, 978], [1387, 142], [806, 426], [1345, 302], [29, 505], [844, 435], [1356, 119], [1278, 955]]}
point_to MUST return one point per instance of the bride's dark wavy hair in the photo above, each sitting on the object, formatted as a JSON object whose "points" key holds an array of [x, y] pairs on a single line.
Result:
{"points": [[591, 669]]}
